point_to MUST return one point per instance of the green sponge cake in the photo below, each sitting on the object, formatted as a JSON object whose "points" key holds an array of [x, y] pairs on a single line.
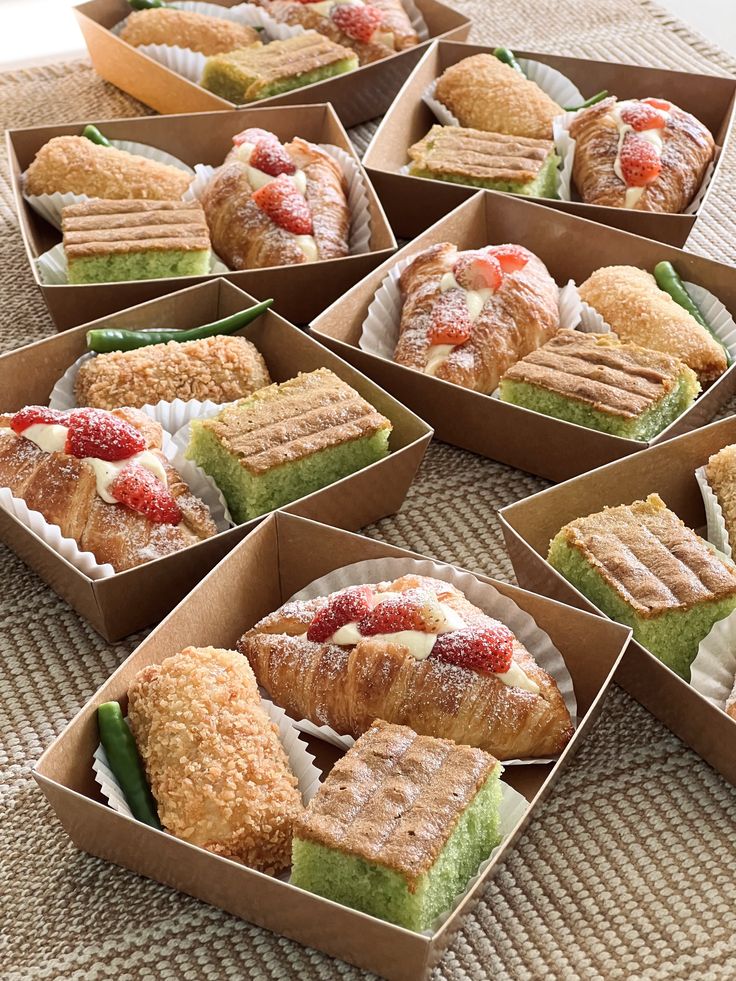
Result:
{"points": [[288, 440], [642, 566], [596, 381], [110, 241], [495, 161], [399, 826]]}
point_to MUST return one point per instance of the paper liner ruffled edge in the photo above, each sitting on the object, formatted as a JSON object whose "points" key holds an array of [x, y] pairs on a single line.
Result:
{"points": [[713, 671], [717, 533]]}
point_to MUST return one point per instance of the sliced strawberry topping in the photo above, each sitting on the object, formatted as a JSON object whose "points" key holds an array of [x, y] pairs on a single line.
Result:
{"points": [[415, 609], [358, 22], [36, 415], [285, 206], [347, 606], [253, 135], [139, 490], [641, 116], [451, 322], [511, 258], [658, 104], [640, 163], [488, 650], [271, 157], [477, 270], [94, 432]]}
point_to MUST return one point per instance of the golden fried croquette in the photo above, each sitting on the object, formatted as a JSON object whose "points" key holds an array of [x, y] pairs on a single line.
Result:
{"points": [[182, 29], [214, 759]]}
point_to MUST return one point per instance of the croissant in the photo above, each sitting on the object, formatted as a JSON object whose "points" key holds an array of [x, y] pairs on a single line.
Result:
{"points": [[515, 318], [63, 488], [348, 685], [644, 154]]}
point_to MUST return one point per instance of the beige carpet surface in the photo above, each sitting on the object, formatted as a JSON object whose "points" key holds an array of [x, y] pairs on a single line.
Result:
{"points": [[628, 871]]}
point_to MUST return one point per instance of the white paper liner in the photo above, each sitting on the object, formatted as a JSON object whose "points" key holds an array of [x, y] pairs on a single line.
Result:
{"points": [[301, 763], [360, 215], [50, 206], [380, 330], [717, 534], [713, 671], [53, 271], [482, 595]]}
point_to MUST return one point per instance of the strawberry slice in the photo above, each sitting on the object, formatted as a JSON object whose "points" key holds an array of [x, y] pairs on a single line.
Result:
{"points": [[641, 116], [511, 258], [477, 270], [284, 205], [253, 135], [640, 163], [358, 22], [36, 415], [487, 650], [347, 606], [451, 322], [139, 490], [271, 157], [94, 432], [658, 104], [415, 609]]}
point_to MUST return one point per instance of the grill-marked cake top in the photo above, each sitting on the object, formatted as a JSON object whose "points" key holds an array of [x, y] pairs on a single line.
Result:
{"points": [[293, 420], [283, 59], [650, 557], [101, 227], [486, 156], [396, 798], [620, 379]]}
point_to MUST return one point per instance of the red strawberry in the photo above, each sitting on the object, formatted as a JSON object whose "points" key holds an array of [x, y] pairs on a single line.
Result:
{"points": [[477, 270], [94, 432], [487, 650], [284, 205], [511, 258], [641, 116], [658, 104], [415, 609], [34, 415], [271, 157], [451, 322], [139, 490], [253, 135], [347, 606], [358, 22], [640, 163]]}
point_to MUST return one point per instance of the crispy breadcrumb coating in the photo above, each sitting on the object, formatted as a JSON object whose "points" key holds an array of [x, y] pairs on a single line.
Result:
{"points": [[720, 472], [220, 368], [77, 165], [183, 29], [214, 760]]}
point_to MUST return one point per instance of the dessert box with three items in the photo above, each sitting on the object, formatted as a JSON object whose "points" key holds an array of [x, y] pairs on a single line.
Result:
{"points": [[279, 557], [669, 471], [203, 138], [357, 96], [571, 248], [118, 604], [413, 203]]}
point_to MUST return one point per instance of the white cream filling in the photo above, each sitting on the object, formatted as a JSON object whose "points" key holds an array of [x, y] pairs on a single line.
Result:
{"points": [[653, 136], [475, 299], [324, 7]]}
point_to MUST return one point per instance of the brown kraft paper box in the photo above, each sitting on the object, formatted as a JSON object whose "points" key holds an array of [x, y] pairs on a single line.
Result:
{"points": [[668, 470], [279, 557], [356, 96], [571, 248], [127, 601], [413, 203], [301, 290]]}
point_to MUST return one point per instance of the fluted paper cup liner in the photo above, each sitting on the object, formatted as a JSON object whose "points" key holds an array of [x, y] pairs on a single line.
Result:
{"points": [[713, 671], [53, 271], [482, 595], [717, 533], [50, 206]]}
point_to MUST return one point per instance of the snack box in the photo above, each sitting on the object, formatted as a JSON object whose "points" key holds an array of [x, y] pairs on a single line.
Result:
{"points": [[413, 203], [302, 290], [127, 601], [669, 470], [282, 555], [571, 248], [356, 96]]}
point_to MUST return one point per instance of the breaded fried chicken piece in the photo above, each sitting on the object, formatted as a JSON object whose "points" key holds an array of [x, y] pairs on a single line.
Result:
{"points": [[77, 165], [219, 368], [182, 29], [214, 760]]}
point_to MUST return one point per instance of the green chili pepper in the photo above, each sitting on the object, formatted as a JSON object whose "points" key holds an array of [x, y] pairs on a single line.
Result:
{"points": [[598, 97], [509, 58], [125, 763], [113, 339], [93, 134], [146, 4], [669, 281]]}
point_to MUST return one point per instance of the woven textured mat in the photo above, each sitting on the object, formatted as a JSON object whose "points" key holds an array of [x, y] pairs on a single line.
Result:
{"points": [[628, 871]]}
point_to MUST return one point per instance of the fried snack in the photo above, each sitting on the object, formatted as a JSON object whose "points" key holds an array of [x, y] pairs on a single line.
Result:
{"points": [[182, 29], [484, 93], [77, 165], [636, 309], [720, 472], [213, 757]]}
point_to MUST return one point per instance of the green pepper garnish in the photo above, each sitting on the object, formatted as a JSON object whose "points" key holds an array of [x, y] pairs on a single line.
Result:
{"points": [[598, 97], [507, 56], [93, 134], [669, 281], [122, 755]]}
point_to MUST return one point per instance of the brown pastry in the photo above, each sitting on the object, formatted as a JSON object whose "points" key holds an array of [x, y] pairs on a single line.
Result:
{"points": [[184, 29]]}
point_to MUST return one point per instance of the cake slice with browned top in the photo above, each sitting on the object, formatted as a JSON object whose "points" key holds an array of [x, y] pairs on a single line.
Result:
{"points": [[399, 826], [288, 440], [641, 565]]}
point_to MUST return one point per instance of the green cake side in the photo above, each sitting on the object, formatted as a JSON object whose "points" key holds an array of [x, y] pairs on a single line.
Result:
{"points": [[543, 186], [225, 79], [382, 892], [152, 264], [673, 636]]}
